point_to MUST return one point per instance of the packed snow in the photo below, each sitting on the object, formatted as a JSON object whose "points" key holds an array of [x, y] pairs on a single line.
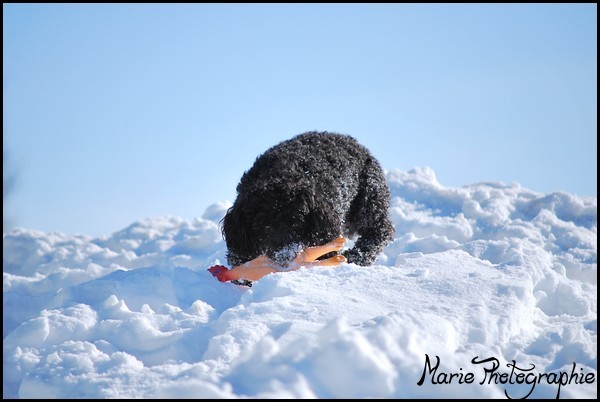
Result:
{"points": [[488, 290]]}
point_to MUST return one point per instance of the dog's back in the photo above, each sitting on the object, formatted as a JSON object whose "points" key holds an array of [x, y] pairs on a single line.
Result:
{"points": [[307, 191]]}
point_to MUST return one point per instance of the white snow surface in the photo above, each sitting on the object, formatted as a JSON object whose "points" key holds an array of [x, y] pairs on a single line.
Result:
{"points": [[484, 271]]}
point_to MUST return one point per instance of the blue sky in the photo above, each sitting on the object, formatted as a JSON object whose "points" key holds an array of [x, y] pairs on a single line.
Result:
{"points": [[118, 112]]}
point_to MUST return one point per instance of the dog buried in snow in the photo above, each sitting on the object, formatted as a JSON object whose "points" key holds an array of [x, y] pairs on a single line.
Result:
{"points": [[309, 191]]}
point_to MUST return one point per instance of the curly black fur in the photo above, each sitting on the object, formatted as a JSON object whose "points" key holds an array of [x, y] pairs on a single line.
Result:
{"points": [[307, 191]]}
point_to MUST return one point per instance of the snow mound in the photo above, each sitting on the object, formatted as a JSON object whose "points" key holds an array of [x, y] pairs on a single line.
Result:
{"points": [[484, 274]]}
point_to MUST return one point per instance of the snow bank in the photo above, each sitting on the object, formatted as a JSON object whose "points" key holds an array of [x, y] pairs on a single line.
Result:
{"points": [[483, 275]]}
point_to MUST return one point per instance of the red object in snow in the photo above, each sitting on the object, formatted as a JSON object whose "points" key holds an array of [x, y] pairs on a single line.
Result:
{"points": [[219, 272]]}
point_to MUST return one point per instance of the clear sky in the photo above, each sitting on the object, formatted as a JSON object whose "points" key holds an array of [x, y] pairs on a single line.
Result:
{"points": [[118, 112]]}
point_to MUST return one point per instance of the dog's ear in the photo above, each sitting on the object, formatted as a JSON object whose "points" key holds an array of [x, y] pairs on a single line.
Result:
{"points": [[321, 221], [235, 231]]}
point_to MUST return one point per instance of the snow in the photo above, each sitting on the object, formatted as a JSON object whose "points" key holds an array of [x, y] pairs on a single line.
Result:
{"points": [[478, 275]]}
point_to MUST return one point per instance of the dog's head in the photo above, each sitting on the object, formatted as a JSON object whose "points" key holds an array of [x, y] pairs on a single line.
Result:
{"points": [[267, 221]]}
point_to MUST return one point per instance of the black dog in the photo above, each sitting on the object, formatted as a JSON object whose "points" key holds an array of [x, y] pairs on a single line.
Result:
{"points": [[307, 191]]}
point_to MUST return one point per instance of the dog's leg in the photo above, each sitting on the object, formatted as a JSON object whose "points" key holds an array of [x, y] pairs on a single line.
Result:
{"points": [[368, 217]]}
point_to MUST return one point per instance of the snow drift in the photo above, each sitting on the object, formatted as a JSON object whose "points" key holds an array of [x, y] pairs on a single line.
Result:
{"points": [[492, 282]]}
